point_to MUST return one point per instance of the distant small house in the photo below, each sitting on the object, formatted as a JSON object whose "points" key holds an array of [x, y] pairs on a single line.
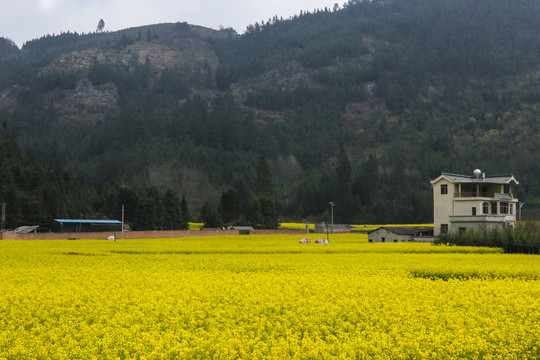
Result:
{"points": [[242, 230], [80, 225], [400, 234]]}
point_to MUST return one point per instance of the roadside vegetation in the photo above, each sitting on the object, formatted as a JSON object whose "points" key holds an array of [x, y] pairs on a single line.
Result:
{"points": [[525, 239]]}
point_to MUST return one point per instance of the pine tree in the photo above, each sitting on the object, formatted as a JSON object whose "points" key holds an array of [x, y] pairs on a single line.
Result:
{"points": [[150, 211], [173, 211], [252, 213], [264, 188], [100, 26], [343, 187], [264, 179], [186, 217], [230, 207], [209, 216], [268, 214]]}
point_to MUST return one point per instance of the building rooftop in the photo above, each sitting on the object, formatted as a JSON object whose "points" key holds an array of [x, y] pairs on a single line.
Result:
{"points": [[492, 179], [404, 230], [86, 221], [26, 229]]}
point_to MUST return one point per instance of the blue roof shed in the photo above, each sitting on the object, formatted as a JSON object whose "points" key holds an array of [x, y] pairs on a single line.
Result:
{"points": [[85, 225]]}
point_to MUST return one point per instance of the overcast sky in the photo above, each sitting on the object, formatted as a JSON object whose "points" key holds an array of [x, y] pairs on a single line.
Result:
{"points": [[24, 20]]}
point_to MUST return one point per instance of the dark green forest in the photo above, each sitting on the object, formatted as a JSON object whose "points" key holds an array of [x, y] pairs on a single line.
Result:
{"points": [[361, 104]]}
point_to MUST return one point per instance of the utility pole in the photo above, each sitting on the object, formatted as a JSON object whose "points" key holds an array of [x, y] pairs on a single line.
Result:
{"points": [[332, 204], [520, 206], [122, 223]]}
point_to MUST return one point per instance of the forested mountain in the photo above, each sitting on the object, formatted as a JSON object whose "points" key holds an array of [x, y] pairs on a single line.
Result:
{"points": [[31, 191], [360, 105]]}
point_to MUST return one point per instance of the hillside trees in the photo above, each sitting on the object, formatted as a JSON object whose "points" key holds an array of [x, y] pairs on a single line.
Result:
{"points": [[173, 218], [343, 189], [209, 216], [264, 181], [145, 209], [34, 192], [230, 208]]}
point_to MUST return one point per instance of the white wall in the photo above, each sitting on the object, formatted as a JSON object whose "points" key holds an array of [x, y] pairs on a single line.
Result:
{"points": [[378, 235], [443, 205]]}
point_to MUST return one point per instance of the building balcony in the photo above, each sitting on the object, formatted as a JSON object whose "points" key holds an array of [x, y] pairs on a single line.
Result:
{"points": [[503, 218], [474, 194], [485, 195]]}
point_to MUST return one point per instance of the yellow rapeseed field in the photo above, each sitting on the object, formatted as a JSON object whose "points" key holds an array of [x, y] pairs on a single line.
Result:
{"points": [[363, 228], [265, 297]]}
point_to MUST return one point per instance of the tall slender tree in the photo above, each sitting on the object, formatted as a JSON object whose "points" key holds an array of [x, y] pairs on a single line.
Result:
{"points": [[186, 217], [343, 183], [264, 179], [173, 211], [100, 26]]}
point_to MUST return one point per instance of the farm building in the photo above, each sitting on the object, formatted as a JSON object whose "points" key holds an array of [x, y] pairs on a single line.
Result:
{"points": [[401, 234], [242, 230], [476, 202], [80, 225]]}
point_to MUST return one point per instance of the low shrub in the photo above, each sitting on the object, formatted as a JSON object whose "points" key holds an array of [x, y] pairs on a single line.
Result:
{"points": [[523, 240]]}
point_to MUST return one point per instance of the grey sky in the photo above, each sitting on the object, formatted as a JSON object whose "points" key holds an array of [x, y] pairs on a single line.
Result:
{"points": [[24, 20]]}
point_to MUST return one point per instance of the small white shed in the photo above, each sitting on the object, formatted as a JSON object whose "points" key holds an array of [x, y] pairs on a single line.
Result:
{"points": [[399, 234]]}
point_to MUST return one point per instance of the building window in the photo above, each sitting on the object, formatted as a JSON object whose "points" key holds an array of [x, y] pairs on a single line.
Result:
{"points": [[485, 208], [474, 211], [511, 209], [484, 191], [462, 230], [444, 189], [382, 239], [504, 208], [494, 208], [444, 228]]}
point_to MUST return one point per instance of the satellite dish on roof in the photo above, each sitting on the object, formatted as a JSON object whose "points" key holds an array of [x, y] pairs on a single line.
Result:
{"points": [[477, 173]]}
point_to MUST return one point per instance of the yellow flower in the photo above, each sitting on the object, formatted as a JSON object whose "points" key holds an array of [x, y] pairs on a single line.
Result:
{"points": [[265, 297]]}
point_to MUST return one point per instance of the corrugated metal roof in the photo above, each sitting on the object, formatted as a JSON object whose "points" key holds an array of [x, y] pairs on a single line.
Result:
{"points": [[242, 228], [492, 179], [25, 229], [85, 221], [404, 230]]}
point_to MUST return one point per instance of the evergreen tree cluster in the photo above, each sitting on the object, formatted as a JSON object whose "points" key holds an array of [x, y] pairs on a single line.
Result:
{"points": [[257, 208], [145, 209], [34, 193]]}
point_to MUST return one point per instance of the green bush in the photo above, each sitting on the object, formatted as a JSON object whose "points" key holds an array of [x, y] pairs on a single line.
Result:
{"points": [[525, 239]]}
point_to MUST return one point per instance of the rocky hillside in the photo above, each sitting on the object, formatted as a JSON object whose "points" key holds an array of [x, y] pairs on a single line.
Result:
{"points": [[66, 62]]}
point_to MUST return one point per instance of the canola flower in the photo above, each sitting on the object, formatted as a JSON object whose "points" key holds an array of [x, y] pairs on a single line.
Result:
{"points": [[296, 226], [195, 226], [265, 297], [364, 228]]}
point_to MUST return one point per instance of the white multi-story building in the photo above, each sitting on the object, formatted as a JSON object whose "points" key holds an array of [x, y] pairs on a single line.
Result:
{"points": [[475, 202]]}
